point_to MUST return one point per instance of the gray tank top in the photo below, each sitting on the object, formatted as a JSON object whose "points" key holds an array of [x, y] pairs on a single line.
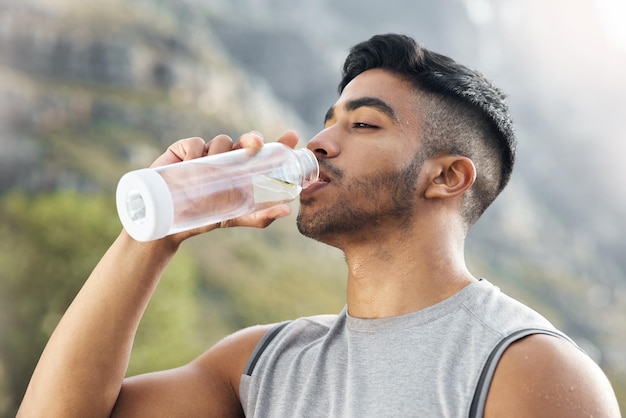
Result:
{"points": [[437, 362]]}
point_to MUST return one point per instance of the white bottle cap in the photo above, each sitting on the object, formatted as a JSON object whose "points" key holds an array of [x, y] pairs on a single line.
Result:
{"points": [[144, 204]]}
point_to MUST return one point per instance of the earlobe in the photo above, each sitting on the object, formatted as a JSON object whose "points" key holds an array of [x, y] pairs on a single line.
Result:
{"points": [[449, 176]]}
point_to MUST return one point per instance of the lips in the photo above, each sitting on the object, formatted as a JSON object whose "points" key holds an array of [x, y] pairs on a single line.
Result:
{"points": [[322, 178], [322, 181]]}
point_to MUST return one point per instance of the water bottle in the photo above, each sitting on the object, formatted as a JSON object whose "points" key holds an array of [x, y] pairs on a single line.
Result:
{"points": [[155, 202]]}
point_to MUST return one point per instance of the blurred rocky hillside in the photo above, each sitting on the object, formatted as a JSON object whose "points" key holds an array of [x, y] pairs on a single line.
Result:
{"points": [[90, 90]]}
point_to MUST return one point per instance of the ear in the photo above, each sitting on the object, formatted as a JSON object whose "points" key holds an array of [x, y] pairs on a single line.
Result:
{"points": [[448, 176]]}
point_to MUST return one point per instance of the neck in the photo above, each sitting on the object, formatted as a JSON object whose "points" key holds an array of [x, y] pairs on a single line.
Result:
{"points": [[402, 273]]}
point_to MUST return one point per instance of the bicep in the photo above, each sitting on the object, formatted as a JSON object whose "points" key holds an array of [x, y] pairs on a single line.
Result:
{"points": [[208, 386], [544, 376], [184, 391]]}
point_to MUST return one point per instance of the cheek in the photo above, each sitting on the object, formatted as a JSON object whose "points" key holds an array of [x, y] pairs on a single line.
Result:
{"points": [[372, 158], [372, 186]]}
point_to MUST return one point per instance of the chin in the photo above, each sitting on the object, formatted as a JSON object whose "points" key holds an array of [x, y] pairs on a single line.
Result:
{"points": [[306, 226], [318, 225]]}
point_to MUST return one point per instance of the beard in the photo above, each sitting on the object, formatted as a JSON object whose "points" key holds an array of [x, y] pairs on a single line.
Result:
{"points": [[368, 204]]}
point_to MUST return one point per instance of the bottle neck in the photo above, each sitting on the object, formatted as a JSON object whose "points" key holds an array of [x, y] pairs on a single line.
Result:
{"points": [[309, 166]]}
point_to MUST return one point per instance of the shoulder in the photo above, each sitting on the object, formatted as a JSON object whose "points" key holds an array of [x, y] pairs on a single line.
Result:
{"points": [[500, 312], [544, 376], [228, 357]]}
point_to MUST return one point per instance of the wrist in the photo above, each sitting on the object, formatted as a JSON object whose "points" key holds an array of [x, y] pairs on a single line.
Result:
{"points": [[164, 247]]}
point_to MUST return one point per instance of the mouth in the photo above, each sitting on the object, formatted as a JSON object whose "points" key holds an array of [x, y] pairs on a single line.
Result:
{"points": [[322, 180]]}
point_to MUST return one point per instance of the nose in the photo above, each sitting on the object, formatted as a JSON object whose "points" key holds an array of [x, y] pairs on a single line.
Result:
{"points": [[324, 145]]}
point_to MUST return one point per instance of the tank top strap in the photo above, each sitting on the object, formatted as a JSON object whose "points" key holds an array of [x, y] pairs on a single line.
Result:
{"points": [[262, 345], [477, 407]]}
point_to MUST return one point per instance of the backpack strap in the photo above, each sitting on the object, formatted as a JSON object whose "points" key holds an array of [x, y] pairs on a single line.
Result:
{"points": [[262, 345], [477, 407]]}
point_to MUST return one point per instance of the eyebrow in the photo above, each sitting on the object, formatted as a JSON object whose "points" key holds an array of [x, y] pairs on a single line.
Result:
{"points": [[353, 105]]}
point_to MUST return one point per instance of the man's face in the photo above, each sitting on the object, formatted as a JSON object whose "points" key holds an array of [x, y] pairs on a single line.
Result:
{"points": [[369, 162]]}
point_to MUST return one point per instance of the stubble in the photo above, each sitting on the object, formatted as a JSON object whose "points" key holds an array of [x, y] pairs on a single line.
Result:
{"points": [[364, 206]]}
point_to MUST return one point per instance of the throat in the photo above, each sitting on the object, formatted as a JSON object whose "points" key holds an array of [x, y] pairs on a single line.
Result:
{"points": [[387, 283]]}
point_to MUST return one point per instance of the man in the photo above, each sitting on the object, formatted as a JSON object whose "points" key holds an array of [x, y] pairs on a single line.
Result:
{"points": [[412, 153]]}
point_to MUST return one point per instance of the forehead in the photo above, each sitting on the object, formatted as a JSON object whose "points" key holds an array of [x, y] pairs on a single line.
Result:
{"points": [[390, 88]]}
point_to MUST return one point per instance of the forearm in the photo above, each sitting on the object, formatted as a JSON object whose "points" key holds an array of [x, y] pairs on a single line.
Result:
{"points": [[82, 367]]}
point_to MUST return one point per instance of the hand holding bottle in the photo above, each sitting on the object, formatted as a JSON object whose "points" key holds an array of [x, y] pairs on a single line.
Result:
{"points": [[215, 191]]}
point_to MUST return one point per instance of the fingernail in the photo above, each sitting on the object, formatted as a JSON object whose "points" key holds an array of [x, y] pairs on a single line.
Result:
{"points": [[257, 133]]}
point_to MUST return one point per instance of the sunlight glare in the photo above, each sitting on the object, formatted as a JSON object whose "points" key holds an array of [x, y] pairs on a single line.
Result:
{"points": [[612, 15]]}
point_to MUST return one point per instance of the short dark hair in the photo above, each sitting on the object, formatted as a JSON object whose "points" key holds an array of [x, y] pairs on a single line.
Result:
{"points": [[465, 114]]}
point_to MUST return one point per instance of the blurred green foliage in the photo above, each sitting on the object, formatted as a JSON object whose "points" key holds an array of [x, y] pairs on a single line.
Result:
{"points": [[50, 242], [48, 245]]}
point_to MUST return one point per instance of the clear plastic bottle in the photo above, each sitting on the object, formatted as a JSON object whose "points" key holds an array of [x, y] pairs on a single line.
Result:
{"points": [[156, 202]]}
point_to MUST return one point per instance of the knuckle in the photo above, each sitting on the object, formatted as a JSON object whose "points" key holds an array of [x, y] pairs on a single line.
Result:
{"points": [[191, 140], [222, 138]]}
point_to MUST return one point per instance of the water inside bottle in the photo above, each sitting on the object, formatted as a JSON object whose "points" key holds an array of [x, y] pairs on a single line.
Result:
{"points": [[268, 191]]}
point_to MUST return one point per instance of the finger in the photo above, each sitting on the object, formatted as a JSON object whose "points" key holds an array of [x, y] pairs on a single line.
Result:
{"points": [[259, 219], [190, 148], [289, 138], [181, 150], [252, 141], [219, 144]]}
